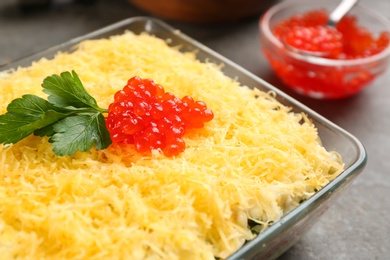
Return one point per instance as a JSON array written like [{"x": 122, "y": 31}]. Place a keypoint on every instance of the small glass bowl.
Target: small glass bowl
[{"x": 320, "y": 77}]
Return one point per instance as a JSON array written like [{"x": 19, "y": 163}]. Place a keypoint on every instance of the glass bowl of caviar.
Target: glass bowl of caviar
[{"x": 349, "y": 62}]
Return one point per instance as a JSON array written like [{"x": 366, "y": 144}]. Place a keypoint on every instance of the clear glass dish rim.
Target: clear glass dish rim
[{"x": 335, "y": 185}]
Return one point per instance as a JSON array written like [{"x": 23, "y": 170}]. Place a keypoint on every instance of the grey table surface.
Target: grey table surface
[{"x": 357, "y": 225}]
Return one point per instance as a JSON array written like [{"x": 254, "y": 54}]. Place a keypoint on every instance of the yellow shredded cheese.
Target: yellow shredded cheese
[{"x": 255, "y": 160}]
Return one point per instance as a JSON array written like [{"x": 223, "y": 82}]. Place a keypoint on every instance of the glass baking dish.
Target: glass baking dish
[{"x": 283, "y": 234}]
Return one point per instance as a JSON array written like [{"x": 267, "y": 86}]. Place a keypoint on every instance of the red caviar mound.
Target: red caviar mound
[{"x": 146, "y": 116}]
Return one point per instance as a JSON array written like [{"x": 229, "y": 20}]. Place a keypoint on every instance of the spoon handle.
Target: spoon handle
[{"x": 344, "y": 7}]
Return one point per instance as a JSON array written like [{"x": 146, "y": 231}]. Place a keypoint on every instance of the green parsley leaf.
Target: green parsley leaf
[
  {"x": 66, "y": 90},
  {"x": 71, "y": 117},
  {"x": 80, "y": 133},
  {"x": 31, "y": 105},
  {"x": 45, "y": 131},
  {"x": 25, "y": 115}
]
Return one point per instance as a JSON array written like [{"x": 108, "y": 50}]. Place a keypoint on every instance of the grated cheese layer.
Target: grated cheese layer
[{"x": 255, "y": 160}]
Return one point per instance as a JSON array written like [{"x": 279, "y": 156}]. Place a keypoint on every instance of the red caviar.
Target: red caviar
[
  {"x": 146, "y": 116},
  {"x": 348, "y": 41},
  {"x": 315, "y": 39}
]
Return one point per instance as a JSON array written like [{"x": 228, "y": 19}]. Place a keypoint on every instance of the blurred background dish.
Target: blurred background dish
[{"x": 204, "y": 11}]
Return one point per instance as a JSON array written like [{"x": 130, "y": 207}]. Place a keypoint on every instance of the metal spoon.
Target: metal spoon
[
  {"x": 342, "y": 9},
  {"x": 338, "y": 13}
]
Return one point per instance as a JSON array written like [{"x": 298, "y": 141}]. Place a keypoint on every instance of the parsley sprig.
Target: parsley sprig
[{"x": 70, "y": 117}]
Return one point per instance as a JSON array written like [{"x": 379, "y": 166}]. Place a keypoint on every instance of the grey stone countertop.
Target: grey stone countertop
[{"x": 357, "y": 225}]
